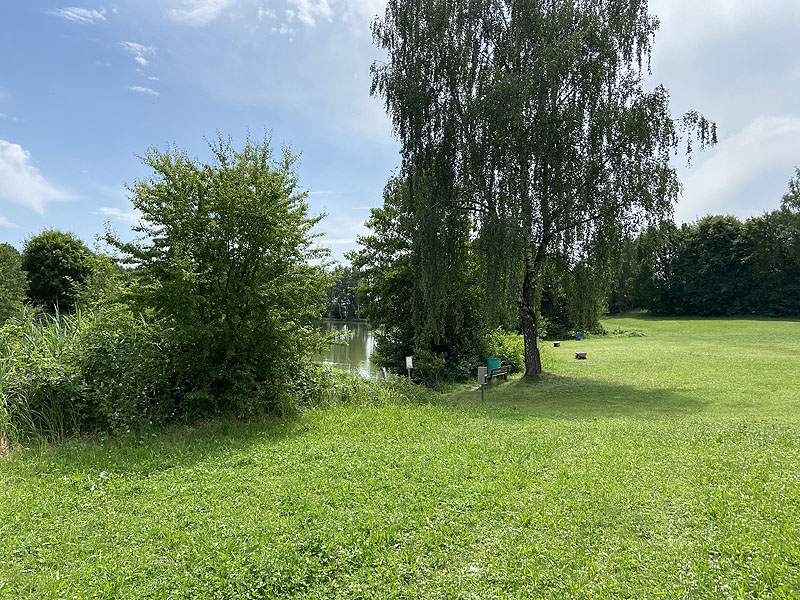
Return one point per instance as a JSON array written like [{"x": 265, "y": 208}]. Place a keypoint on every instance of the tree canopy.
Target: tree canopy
[
  {"x": 527, "y": 131},
  {"x": 56, "y": 263}
]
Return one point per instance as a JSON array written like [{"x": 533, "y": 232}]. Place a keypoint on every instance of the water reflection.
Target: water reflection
[{"x": 354, "y": 353}]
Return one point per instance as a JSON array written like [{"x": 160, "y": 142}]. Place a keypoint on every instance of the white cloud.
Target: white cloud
[
  {"x": 4, "y": 222},
  {"x": 129, "y": 217},
  {"x": 724, "y": 181},
  {"x": 84, "y": 16},
  {"x": 141, "y": 54},
  {"x": 308, "y": 11},
  {"x": 198, "y": 12},
  {"x": 3, "y": 116},
  {"x": 21, "y": 182},
  {"x": 143, "y": 90}
]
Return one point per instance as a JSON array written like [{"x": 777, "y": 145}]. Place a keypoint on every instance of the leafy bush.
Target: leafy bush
[
  {"x": 225, "y": 259},
  {"x": 507, "y": 346}
]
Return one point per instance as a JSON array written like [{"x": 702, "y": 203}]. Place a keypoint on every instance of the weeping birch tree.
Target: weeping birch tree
[{"x": 527, "y": 129}]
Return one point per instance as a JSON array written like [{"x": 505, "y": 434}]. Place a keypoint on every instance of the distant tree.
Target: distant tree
[
  {"x": 13, "y": 283},
  {"x": 226, "y": 259},
  {"x": 791, "y": 199},
  {"x": 55, "y": 262},
  {"x": 343, "y": 300},
  {"x": 528, "y": 126},
  {"x": 709, "y": 268}
]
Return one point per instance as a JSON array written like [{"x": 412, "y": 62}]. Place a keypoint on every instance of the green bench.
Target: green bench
[{"x": 497, "y": 372}]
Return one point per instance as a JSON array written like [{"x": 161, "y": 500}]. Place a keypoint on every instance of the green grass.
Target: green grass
[{"x": 664, "y": 466}]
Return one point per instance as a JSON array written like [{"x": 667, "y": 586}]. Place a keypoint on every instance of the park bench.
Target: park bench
[{"x": 502, "y": 371}]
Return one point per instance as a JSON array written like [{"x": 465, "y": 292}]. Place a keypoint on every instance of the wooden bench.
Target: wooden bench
[{"x": 498, "y": 372}]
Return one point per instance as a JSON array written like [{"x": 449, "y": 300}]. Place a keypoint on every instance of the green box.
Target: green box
[{"x": 492, "y": 363}]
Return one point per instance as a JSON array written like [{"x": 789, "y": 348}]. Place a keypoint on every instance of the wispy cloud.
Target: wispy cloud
[
  {"x": 284, "y": 29},
  {"x": 143, "y": 90},
  {"x": 266, "y": 13},
  {"x": 141, "y": 54},
  {"x": 198, "y": 12},
  {"x": 129, "y": 217},
  {"x": 84, "y": 16},
  {"x": 4, "y": 222},
  {"x": 21, "y": 182}
]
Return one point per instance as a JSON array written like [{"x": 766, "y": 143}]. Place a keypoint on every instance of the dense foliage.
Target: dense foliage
[
  {"x": 529, "y": 137},
  {"x": 13, "y": 283},
  {"x": 55, "y": 262},
  {"x": 224, "y": 260},
  {"x": 65, "y": 374},
  {"x": 446, "y": 342},
  {"x": 716, "y": 266}
]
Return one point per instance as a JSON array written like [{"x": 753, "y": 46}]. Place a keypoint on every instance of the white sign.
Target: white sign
[
  {"x": 481, "y": 375},
  {"x": 409, "y": 362}
]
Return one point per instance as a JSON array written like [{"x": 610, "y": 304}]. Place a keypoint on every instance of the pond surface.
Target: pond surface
[{"x": 355, "y": 351}]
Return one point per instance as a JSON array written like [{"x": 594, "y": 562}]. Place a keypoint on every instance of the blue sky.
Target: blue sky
[{"x": 84, "y": 88}]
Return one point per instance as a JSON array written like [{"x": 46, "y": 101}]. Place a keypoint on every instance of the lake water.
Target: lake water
[{"x": 354, "y": 353}]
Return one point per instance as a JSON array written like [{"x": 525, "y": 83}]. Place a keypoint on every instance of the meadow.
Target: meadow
[{"x": 667, "y": 465}]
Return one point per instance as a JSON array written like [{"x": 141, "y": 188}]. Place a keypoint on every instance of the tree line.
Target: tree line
[{"x": 716, "y": 266}]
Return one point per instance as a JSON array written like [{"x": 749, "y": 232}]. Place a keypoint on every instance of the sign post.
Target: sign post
[{"x": 409, "y": 366}]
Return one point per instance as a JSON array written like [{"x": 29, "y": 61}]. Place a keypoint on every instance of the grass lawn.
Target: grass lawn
[{"x": 664, "y": 466}]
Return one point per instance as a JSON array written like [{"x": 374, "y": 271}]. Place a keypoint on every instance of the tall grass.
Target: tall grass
[{"x": 38, "y": 370}]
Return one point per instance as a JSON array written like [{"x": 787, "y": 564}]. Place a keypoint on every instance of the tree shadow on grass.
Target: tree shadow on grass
[{"x": 571, "y": 398}]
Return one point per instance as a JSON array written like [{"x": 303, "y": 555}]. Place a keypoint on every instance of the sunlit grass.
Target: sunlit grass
[{"x": 666, "y": 465}]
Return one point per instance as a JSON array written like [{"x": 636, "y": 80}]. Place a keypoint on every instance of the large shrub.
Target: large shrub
[{"x": 225, "y": 259}]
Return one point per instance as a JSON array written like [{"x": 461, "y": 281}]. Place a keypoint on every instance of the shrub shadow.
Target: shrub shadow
[{"x": 148, "y": 454}]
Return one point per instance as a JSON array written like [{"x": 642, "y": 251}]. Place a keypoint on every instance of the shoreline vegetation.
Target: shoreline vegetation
[{"x": 664, "y": 464}]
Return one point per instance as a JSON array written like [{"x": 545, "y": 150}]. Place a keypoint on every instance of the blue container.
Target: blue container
[
  {"x": 578, "y": 336},
  {"x": 492, "y": 363}
]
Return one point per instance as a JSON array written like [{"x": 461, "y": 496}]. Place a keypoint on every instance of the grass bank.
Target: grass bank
[{"x": 663, "y": 466}]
